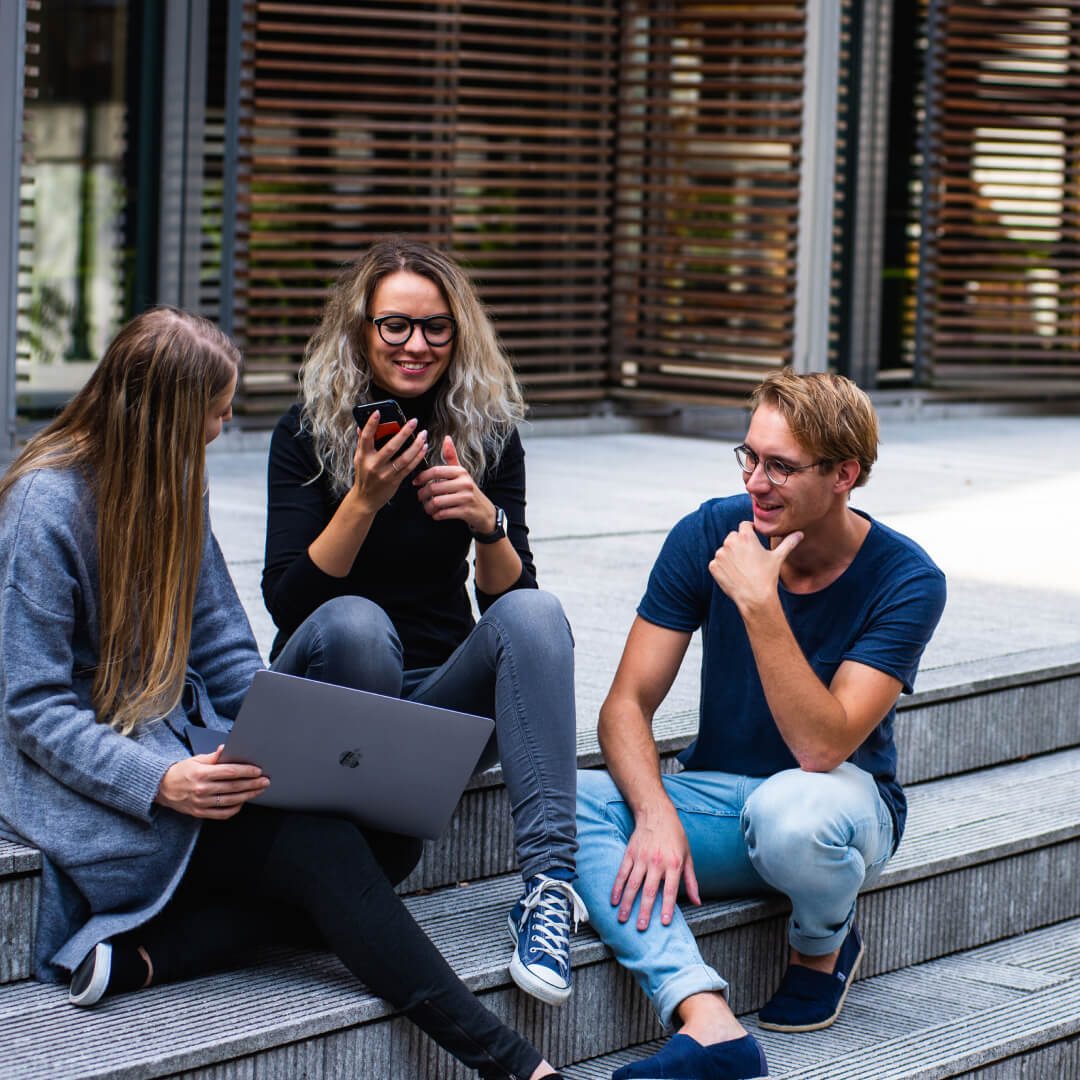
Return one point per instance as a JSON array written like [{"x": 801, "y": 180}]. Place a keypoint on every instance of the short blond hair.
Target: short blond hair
[{"x": 828, "y": 414}]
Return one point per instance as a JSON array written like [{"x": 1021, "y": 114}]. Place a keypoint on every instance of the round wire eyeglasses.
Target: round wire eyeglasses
[{"x": 776, "y": 470}]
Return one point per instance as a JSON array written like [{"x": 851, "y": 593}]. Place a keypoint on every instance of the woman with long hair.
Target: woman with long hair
[
  {"x": 120, "y": 627},
  {"x": 367, "y": 550}
]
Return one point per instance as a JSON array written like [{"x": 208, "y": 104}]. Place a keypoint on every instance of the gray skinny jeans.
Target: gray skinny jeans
[{"x": 516, "y": 667}]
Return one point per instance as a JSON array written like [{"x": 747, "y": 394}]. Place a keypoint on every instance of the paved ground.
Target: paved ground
[{"x": 994, "y": 500}]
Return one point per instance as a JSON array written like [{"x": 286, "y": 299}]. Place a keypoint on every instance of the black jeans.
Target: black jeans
[{"x": 270, "y": 876}]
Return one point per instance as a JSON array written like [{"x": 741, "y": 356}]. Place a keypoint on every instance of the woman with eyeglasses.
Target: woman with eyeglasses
[
  {"x": 368, "y": 541},
  {"x": 119, "y": 626}
]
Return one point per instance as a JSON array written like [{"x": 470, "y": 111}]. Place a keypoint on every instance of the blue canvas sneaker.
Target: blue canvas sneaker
[
  {"x": 540, "y": 924},
  {"x": 809, "y": 1000}
]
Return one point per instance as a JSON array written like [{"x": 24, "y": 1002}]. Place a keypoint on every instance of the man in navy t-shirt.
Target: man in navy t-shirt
[{"x": 813, "y": 620}]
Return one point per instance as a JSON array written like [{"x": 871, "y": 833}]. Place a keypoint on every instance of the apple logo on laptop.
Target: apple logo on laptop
[{"x": 351, "y": 758}]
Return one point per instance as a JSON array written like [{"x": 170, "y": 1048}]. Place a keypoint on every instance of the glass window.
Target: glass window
[{"x": 81, "y": 187}]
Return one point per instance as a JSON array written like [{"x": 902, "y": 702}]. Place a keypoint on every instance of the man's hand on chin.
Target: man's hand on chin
[{"x": 747, "y": 571}]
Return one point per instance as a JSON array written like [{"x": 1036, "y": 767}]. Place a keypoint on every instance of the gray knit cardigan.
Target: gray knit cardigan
[{"x": 69, "y": 785}]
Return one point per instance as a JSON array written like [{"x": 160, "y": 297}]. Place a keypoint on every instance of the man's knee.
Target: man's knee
[{"x": 787, "y": 815}]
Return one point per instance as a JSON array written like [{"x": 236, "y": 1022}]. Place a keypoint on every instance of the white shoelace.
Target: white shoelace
[{"x": 554, "y": 902}]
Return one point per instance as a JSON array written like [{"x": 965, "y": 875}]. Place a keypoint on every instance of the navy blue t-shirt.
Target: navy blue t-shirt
[{"x": 880, "y": 612}]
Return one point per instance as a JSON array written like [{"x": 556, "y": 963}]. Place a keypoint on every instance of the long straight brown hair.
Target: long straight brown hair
[{"x": 137, "y": 429}]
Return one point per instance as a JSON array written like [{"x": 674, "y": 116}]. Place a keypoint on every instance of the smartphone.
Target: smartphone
[{"x": 391, "y": 419}]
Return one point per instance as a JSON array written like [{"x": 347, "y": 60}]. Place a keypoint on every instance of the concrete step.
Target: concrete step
[
  {"x": 20, "y": 879},
  {"x": 978, "y": 864},
  {"x": 968, "y": 716},
  {"x": 963, "y": 717},
  {"x": 1006, "y": 1010}
]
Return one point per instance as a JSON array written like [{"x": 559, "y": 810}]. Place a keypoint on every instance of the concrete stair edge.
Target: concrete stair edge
[
  {"x": 959, "y": 725},
  {"x": 735, "y": 936},
  {"x": 953, "y": 822},
  {"x": 1003, "y": 1018}
]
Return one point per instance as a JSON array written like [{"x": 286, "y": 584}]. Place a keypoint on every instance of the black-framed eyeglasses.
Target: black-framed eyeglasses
[
  {"x": 397, "y": 329},
  {"x": 776, "y": 470}
]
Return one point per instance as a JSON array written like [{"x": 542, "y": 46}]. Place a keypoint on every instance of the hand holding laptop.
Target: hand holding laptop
[
  {"x": 385, "y": 762},
  {"x": 205, "y": 787}
]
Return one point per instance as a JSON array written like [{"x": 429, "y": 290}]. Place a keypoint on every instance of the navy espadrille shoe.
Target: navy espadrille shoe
[
  {"x": 684, "y": 1058},
  {"x": 809, "y": 1000}
]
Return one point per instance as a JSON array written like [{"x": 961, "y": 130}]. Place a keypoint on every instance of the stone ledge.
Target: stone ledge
[
  {"x": 952, "y": 681},
  {"x": 937, "y": 736},
  {"x": 930, "y": 902},
  {"x": 17, "y": 859},
  {"x": 947, "y": 1017}
]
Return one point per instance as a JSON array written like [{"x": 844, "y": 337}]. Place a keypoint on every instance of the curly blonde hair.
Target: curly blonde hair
[{"x": 478, "y": 402}]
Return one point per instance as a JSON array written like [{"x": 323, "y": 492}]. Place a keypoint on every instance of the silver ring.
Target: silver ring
[
  {"x": 217, "y": 801},
  {"x": 396, "y": 467}
]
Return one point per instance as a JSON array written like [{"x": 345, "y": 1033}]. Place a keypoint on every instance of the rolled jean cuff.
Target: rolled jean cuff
[
  {"x": 697, "y": 979},
  {"x": 819, "y": 946}
]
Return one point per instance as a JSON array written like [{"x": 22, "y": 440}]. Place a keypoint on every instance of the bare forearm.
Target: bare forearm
[
  {"x": 810, "y": 719},
  {"x": 498, "y": 566},
  {"x": 631, "y": 757},
  {"x": 335, "y": 549}
]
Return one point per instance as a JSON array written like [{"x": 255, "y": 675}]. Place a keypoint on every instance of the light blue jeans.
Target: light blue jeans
[
  {"x": 516, "y": 666},
  {"x": 815, "y": 837}
]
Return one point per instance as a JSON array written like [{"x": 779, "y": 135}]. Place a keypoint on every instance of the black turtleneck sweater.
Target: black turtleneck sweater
[{"x": 414, "y": 568}]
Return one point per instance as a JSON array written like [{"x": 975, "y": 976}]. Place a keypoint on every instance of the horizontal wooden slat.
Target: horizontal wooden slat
[
  {"x": 1005, "y": 211},
  {"x": 558, "y": 17},
  {"x": 634, "y": 168},
  {"x": 585, "y": 61},
  {"x": 686, "y": 314}
]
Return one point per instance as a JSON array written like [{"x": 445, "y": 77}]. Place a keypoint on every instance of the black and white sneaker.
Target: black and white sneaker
[{"x": 91, "y": 978}]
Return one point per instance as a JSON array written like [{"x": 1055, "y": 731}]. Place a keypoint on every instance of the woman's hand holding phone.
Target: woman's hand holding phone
[{"x": 379, "y": 471}]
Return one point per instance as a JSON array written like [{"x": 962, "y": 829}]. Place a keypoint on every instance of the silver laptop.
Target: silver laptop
[{"x": 382, "y": 761}]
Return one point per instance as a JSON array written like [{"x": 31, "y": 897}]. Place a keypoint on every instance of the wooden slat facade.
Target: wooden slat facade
[
  {"x": 25, "y": 335},
  {"x": 1000, "y": 253},
  {"x": 707, "y": 188},
  {"x": 620, "y": 178},
  {"x": 486, "y": 127}
]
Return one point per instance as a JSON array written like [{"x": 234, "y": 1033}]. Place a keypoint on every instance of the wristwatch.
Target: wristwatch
[{"x": 497, "y": 533}]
